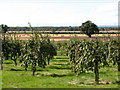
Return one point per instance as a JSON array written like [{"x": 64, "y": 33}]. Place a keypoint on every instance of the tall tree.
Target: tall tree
[{"x": 89, "y": 28}]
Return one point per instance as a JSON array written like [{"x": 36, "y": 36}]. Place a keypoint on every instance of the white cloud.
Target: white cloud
[
  {"x": 59, "y": 14},
  {"x": 106, "y": 14}
]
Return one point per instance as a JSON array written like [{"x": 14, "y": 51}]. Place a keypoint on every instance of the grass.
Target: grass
[
  {"x": 55, "y": 75},
  {"x": 0, "y": 79}
]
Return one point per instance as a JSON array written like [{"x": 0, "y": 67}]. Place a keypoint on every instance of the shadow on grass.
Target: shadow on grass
[
  {"x": 53, "y": 75},
  {"x": 12, "y": 69},
  {"x": 41, "y": 70},
  {"x": 117, "y": 82},
  {"x": 7, "y": 62},
  {"x": 56, "y": 67},
  {"x": 59, "y": 57},
  {"x": 56, "y": 75},
  {"x": 61, "y": 64},
  {"x": 59, "y": 60},
  {"x": 64, "y": 75}
]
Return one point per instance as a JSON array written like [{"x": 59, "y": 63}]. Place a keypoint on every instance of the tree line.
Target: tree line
[{"x": 69, "y": 28}]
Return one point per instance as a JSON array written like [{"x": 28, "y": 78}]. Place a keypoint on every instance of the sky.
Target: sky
[{"x": 58, "y": 12}]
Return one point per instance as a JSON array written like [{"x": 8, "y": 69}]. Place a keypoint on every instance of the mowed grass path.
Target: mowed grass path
[{"x": 55, "y": 75}]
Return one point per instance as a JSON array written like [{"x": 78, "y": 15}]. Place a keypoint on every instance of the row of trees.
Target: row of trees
[
  {"x": 45, "y": 28},
  {"x": 70, "y": 28},
  {"x": 90, "y": 55},
  {"x": 37, "y": 51}
]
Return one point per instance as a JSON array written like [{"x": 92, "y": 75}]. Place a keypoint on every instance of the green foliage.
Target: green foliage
[
  {"x": 6, "y": 48},
  {"x": 11, "y": 48},
  {"x": 62, "y": 48},
  {"x": 89, "y": 28},
  {"x": 90, "y": 55},
  {"x": 38, "y": 50},
  {"x": 4, "y": 28},
  {"x": 114, "y": 52}
]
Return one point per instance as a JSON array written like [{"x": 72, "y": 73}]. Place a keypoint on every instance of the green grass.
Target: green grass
[
  {"x": 55, "y": 75},
  {"x": 0, "y": 79}
]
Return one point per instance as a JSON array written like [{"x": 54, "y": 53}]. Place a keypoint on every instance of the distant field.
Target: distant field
[
  {"x": 62, "y": 37},
  {"x": 56, "y": 31}
]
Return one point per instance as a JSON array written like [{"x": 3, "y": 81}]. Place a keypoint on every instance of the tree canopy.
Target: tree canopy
[
  {"x": 89, "y": 28},
  {"x": 4, "y": 28}
]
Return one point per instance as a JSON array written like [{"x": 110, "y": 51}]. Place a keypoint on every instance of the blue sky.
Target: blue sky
[{"x": 58, "y": 12}]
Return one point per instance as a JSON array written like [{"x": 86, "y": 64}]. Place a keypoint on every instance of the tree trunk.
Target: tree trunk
[
  {"x": 26, "y": 66},
  {"x": 1, "y": 67},
  {"x": 48, "y": 61},
  {"x": 33, "y": 73},
  {"x": 15, "y": 62},
  {"x": 6, "y": 57},
  {"x": 118, "y": 70},
  {"x": 89, "y": 35},
  {"x": 25, "y": 69},
  {"x": 33, "y": 69},
  {"x": 96, "y": 71},
  {"x": 118, "y": 66}
]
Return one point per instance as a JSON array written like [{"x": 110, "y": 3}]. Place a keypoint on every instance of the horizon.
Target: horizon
[{"x": 67, "y": 26}]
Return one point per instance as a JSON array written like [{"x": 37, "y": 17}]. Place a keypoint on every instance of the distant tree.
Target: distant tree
[
  {"x": 89, "y": 28},
  {"x": 53, "y": 30},
  {"x": 4, "y": 28}
]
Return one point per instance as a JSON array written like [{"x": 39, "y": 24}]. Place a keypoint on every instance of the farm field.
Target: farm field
[
  {"x": 41, "y": 63},
  {"x": 56, "y": 75},
  {"x": 57, "y": 31},
  {"x": 60, "y": 44},
  {"x": 62, "y": 37}
]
